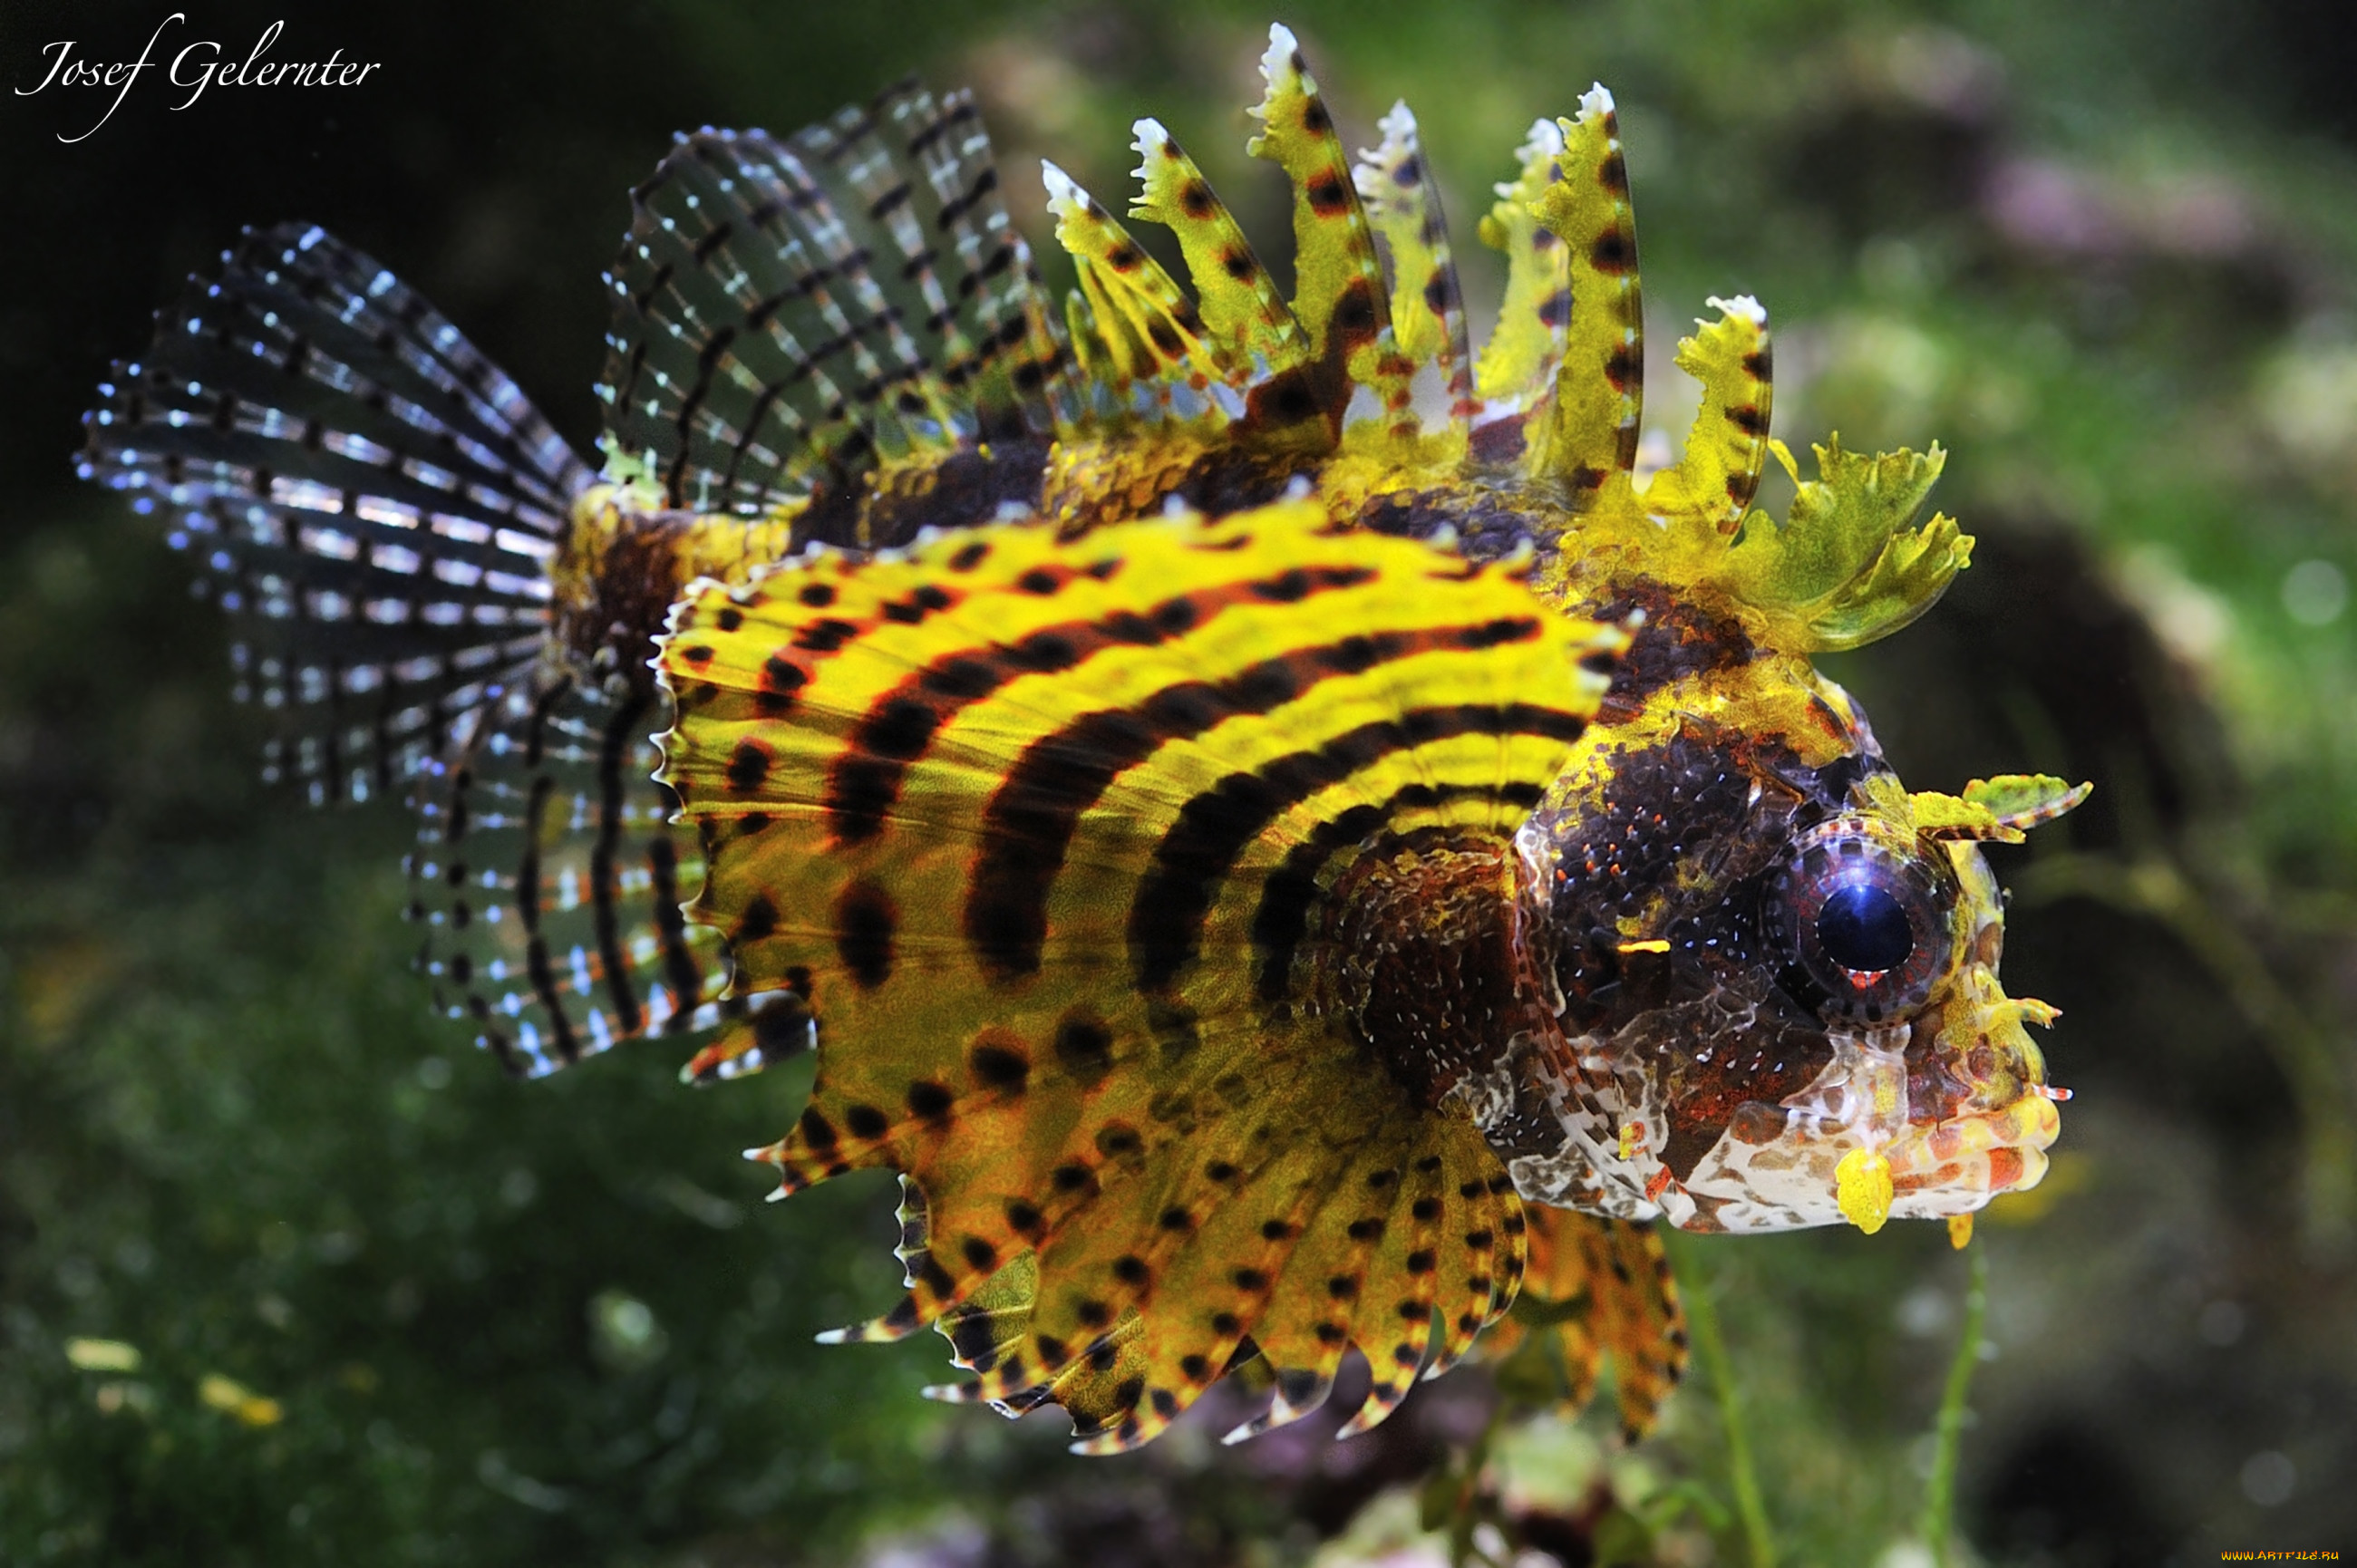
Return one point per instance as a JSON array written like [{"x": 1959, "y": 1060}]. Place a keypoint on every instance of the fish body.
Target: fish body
[{"x": 1281, "y": 836}]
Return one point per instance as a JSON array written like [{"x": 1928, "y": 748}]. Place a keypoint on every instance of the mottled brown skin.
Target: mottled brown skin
[
  {"x": 625, "y": 570},
  {"x": 1428, "y": 974}
]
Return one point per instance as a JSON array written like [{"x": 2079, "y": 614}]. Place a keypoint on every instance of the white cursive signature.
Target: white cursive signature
[{"x": 198, "y": 66}]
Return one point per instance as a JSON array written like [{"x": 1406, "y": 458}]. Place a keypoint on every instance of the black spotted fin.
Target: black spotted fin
[{"x": 1043, "y": 833}]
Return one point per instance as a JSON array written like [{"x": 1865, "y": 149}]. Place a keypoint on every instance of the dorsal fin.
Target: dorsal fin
[
  {"x": 1709, "y": 488},
  {"x": 1515, "y": 378},
  {"x": 789, "y": 316},
  {"x": 1587, "y": 440},
  {"x": 1133, "y": 327},
  {"x": 1338, "y": 298}
]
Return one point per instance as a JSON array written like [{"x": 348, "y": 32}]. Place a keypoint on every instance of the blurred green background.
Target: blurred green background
[{"x": 390, "y": 1308}]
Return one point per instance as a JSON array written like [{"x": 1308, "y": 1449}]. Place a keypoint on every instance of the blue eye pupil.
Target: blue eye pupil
[{"x": 1864, "y": 928}]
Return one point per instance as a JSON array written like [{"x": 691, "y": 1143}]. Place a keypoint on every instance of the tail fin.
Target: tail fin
[{"x": 374, "y": 501}]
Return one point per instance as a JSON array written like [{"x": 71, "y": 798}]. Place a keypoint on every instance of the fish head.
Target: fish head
[{"x": 1764, "y": 971}]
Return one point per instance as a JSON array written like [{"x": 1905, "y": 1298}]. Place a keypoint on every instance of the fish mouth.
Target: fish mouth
[
  {"x": 1982, "y": 1114},
  {"x": 1950, "y": 1109}
]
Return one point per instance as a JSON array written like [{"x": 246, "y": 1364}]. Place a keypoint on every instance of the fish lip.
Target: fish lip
[{"x": 1975, "y": 1129}]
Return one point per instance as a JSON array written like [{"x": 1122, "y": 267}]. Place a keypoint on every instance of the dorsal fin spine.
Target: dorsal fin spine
[
  {"x": 1338, "y": 296},
  {"x": 1427, "y": 307},
  {"x": 1588, "y": 437},
  {"x": 1514, "y": 376},
  {"x": 1238, "y": 301}
]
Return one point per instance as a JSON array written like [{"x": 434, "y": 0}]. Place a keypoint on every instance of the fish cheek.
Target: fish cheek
[
  {"x": 1647, "y": 892},
  {"x": 1736, "y": 1082},
  {"x": 1651, "y": 933}
]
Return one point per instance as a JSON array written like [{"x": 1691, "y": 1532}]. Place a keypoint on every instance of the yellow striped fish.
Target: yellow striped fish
[{"x": 1285, "y": 841}]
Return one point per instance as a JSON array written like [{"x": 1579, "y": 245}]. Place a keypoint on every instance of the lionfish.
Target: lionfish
[{"x": 1277, "y": 831}]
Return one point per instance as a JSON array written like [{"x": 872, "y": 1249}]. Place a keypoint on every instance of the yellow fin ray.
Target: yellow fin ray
[
  {"x": 1238, "y": 299},
  {"x": 1514, "y": 376},
  {"x": 1706, "y": 493},
  {"x": 1428, "y": 305},
  {"x": 1338, "y": 298},
  {"x": 1139, "y": 326},
  {"x": 1588, "y": 438}
]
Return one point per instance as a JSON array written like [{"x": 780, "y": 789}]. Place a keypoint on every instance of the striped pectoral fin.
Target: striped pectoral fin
[
  {"x": 1710, "y": 486},
  {"x": 370, "y": 499},
  {"x": 1604, "y": 1290},
  {"x": 1387, "y": 1268},
  {"x": 1428, "y": 305},
  {"x": 1338, "y": 296},
  {"x": 1590, "y": 432},
  {"x": 1034, "y": 825},
  {"x": 549, "y": 881}
]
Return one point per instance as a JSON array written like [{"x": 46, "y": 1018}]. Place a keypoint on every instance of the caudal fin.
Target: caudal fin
[{"x": 373, "y": 502}]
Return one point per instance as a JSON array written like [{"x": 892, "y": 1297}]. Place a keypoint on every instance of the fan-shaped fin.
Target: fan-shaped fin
[
  {"x": 1515, "y": 376},
  {"x": 752, "y": 352},
  {"x": 1042, "y": 830},
  {"x": 789, "y": 316},
  {"x": 373, "y": 501},
  {"x": 1338, "y": 297},
  {"x": 1600, "y": 1287},
  {"x": 925, "y": 172},
  {"x": 549, "y": 881},
  {"x": 1588, "y": 438},
  {"x": 1428, "y": 305}
]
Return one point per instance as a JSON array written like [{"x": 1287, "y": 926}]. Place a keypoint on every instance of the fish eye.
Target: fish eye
[{"x": 1864, "y": 916}]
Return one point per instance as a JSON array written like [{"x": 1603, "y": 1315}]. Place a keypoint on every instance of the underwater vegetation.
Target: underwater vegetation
[{"x": 655, "y": 1399}]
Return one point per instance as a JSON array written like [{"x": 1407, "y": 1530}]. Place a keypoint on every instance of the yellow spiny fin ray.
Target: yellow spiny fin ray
[
  {"x": 1706, "y": 493},
  {"x": 1515, "y": 375},
  {"x": 1427, "y": 305},
  {"x": 1587, "y": 439},
  {"x": 1338, "y": 298},
  {"x": 1140, "y": 327},
  {"x": 1042, "y": 831},
  {"x": 1602, "y": 1287},
  {"x": 1239, "y": 303}
]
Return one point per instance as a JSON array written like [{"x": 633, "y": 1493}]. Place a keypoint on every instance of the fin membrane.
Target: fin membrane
[
  {"x": 1600, "y": 1288},
  {"x": 791, "y": 315},
  {"x": 1041, "y": 831},
  {"x": 549, "y": 881}
]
